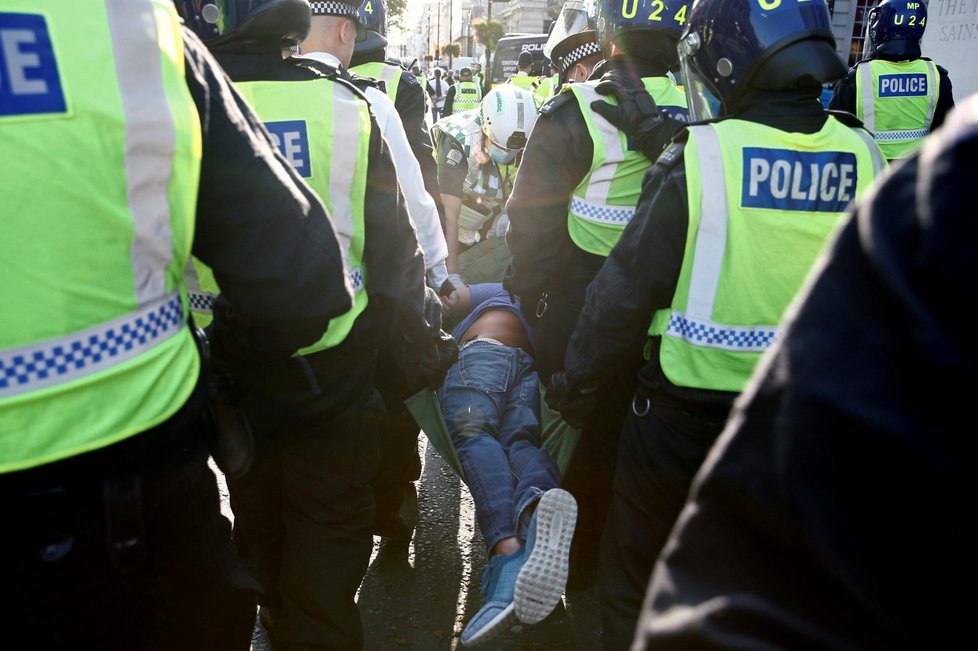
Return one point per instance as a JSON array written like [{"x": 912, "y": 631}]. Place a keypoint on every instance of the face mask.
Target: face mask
[{"x": 502, "y": 156}]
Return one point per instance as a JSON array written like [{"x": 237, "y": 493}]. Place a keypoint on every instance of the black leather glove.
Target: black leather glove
[
  {"x": 636, "y": 114},
  {"x": 572, "y": 404}
]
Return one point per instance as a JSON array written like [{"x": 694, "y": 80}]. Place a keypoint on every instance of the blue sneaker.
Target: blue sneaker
[
  {"x": 496, "y": 613},
  {"x": 546, "y": 555}
]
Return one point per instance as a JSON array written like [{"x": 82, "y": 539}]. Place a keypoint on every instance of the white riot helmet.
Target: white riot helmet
[{"x": 508, "y": 113}]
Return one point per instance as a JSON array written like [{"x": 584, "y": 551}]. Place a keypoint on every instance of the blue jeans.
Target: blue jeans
[{"x": 491, "y": 403}]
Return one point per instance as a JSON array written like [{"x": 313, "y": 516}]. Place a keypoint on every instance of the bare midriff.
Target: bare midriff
[{"x": 501, "y": 325}]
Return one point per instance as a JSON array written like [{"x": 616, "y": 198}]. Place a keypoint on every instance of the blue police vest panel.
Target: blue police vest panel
[
  {"x": 905, "y": 85},
  {"x": 680, "y": 113},
  {"x": 29, "y": 79},
  {"x": 290, "y": 136},
  {"x": 783, "y": 179}
]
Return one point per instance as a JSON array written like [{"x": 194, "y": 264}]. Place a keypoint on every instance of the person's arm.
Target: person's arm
[
  {"x": 556, "y": 159},
  {"x": 413, "y": 108},
  {"x": 452, "y": 170},
  {"x": 392, "y": 257},
  {"x": 261, "y": 229},
  {"x": 638, "y": 278},
  {"x": 945, "y": 99},
  {"x": 420, "y": 206},
  {"x": 446, "y": 110},
  {"x": 844, "y": 95}
]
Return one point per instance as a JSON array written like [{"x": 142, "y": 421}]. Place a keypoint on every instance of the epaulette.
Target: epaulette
[
  {"x": 336, "y": 74},
  {"x": 555, "y": 103},
  {"x": 672, "y": 154},
  {"x": 846, "y": 118}
]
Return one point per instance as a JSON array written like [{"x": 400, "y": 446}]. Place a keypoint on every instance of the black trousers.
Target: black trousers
[
  {"x": 400, "y": 463},
  {"x": 123, "y": 548},
  {"x": 304, "y": 510},
  {"x": 658, "y": 456}
]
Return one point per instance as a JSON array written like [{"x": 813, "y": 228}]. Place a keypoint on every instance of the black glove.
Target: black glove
[
  {"x": 572, "y": 404},
  {"x": 636, "y": 114}
]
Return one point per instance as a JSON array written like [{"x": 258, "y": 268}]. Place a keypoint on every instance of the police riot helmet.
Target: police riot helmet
[
  {"x": 634, "y": 23},
  {"x": 218, "y": 21},
  {"x": 896, "y": 27},
  {"x": 507, "y": 113},
  {"x": 373, "y": 16},
  {"x": 732, "y": 45}
]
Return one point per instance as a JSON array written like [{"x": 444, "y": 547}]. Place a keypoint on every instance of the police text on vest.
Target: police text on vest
[
  {"x": 291, "y": 139},
  {"x": 784, "y": 179},
  {"x": 906, "y": 85},
  {"x": 29, "y": 80}
]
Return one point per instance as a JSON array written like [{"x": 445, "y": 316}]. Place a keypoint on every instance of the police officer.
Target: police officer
[
  {"x": 463, "y": 96},
  {"x": 406, "y": 90},
  {"x": 477, "y": 153},
  {"x": 399, "y": 463},
  {"x": 580, "y": 182},
  {"x": 572, "y": 49},
  {"x": 113, "y": 537},
  {"x": 523, "y": 78},
  {"x": 303, "y": 513},
  {"x": 899, "y": 95},
  {"x": 731, "y": 218},
  {"x": 478, "y": 77},
  {"x": 808, "y": 486}
]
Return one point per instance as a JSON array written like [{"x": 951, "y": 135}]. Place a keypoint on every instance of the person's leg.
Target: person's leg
[
  {"x": 472, "y": 398},
  {"x": 657, "y": 458},
  {"x": 327, "y": 511}
]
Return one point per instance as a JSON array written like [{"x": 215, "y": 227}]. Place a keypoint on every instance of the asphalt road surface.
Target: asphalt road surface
[{"x": 418, "y": 596}]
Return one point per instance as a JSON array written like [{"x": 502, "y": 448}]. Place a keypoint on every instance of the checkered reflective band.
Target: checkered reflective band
[
  {"x": 601, "y": 214},
  {"x": 333, "y": 9},
  {"x": 893, "y": 136},
  {"x": 726, "y": 337},
  {"x": 579, "y": 53},
  {"x": 201, "y": 301},
  {"x": 356, "y": 279},
  {"x": 77, "y": 355}
]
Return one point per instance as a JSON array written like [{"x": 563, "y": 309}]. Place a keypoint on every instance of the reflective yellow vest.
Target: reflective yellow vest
[
  {"x": 523, "y": 81},
  {"x": 385, "y": 72},
  {"x": 752, "y": 239},
  {"x": 604, "y": 202},
  {"x": 546, "y": 89},
  {"x": 323, "y": 130},
  {"x": 896, "y": 102},
  {"x": 100, "y": 150},
  {"x": 467, "y": 96}
]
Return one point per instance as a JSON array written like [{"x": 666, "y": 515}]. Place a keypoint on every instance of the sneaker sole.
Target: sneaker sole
[
  {"x": 542, "y": 579},
  {"x": 495, "y": 625}
]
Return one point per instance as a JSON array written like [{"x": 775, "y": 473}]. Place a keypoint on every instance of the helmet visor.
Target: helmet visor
[
  {"x": 703, "y": 102},
  {"x": 573, "y": 19}
]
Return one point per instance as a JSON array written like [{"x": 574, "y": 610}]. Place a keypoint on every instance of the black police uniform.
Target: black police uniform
[
  {"x": 315, "y": 416},
  {"x": 844, "y": 95},
  {"x": 73, "y": 576},
  {"x": 660, "y": 452},
  {"x": 831, "y": 514},
  {"x": 547, "y": 262}
]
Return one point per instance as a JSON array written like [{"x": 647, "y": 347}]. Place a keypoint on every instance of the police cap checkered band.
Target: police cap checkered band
[
  {"x": 333, "y": 8},
  {"x": 578, "y": 54}
]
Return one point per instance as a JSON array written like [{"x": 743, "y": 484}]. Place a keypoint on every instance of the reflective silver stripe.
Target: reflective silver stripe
[
  {"x": 150, "y": 140},
  {"x": 878, "y": 163},
  {"x": 935, "y": 88},
  {"x": 64, "y": 359},
  {"x": 201, "y": 301},
  {"x": 343, "y": 161},
  {"x": 601, "y": 214},
  {"x": 387, "y": 73},
  {"x": 706, "y": 334},
  {"x": 600, "y": 182},
  {"x": 868, "y": 92},
  {"x": 711, "y": 234}
]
